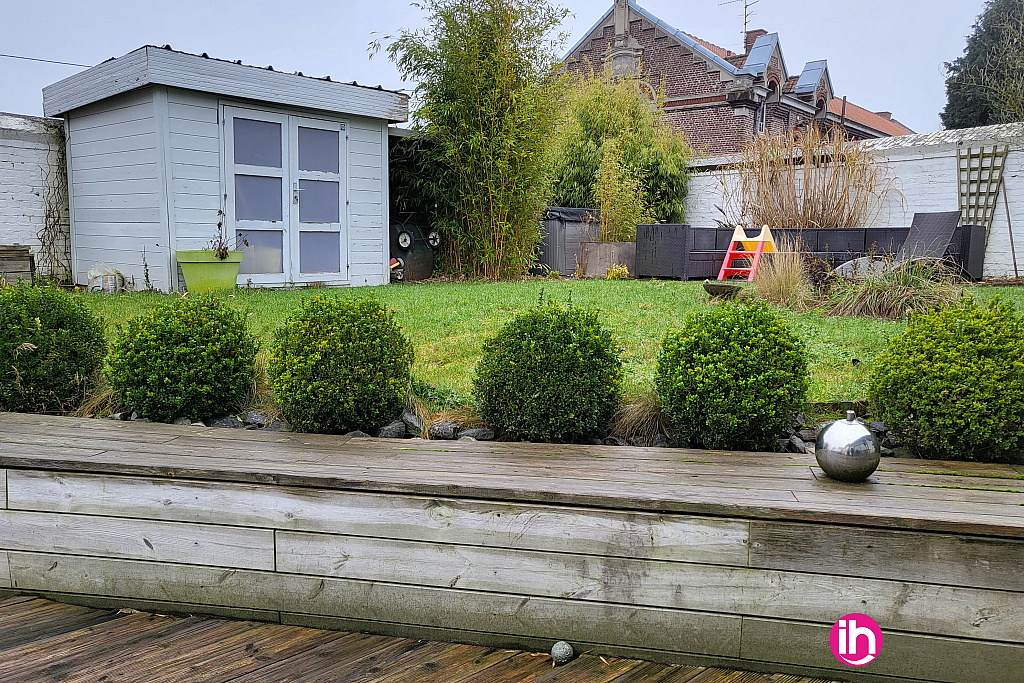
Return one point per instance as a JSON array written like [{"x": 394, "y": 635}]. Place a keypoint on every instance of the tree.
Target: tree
[
  {"x": 606, "y": 110},
  {"x": 489, "y": 86},
  {"x": 986, "y": 85}
]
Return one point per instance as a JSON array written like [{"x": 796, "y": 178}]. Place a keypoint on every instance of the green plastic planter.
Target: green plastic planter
[{"x": 204, "y": 272}]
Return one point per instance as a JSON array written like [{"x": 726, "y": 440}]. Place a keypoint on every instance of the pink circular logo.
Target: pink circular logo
[{"x": 855, "y": 639}]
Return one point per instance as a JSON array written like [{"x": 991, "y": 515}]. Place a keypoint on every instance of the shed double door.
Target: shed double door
[{"x": 286, "y": 196}]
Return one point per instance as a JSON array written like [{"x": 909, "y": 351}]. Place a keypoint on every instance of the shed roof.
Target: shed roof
[{"x": 151, "y": 65}]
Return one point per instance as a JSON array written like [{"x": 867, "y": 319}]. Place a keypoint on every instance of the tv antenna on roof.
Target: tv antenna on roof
[{"x": 748, "y": 12}]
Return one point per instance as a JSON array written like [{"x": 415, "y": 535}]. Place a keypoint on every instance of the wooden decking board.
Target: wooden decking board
[
  {"x": 13, "y": 635},
  {"x": 659, "y": 673},
  {"x": 720, "y": 484},
  {"x": 118, "y": 659},
  {"x": 225, "y": 660},
  {"x": 455, "y": 663},
  {"x": 617, "y": 469},
  {"x": 346, "y": 649},
  {"x": 214, "y": 650},
  {"x": 589, "y": 668},
  {"x": 398, "y": 655},
  {"x": 128, "y": 630}
]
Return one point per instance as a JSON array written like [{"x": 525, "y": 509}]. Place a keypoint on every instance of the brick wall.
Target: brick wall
[
  {"x": 27, "y": 155},
  {"x": 709, "y": 123},
  {"x": 712, "y": 130},
  {"x": 924, "y": 170}
]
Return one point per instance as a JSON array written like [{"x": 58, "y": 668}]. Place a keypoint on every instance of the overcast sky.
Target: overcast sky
[{"x": 883, "y": 54}]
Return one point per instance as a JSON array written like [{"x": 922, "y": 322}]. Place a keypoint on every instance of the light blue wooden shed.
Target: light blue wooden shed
[{"x": 164, "y": 145}]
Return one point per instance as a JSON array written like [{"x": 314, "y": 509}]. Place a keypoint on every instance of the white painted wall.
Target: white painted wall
[
  {"x": 26, "y": 153},
  {"x": 117, "y": 189},
  {"x": 368, "y": 208},
  {"x": 924, "y": 170}
]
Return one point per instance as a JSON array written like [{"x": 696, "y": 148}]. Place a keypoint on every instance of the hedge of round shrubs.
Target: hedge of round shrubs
[
  {"x": 732, "y": 378},
  {"x": 193, "y": 358},
  {"x": 51, "y": 346},
  {"x": 340, "y": 365},
  {"x": 552, "y": 374},
  {"x": 952, "y": 386}
]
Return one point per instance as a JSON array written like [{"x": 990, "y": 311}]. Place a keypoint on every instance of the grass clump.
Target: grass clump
[
  {"x": 552, "y": 374},
  {"x": 782, "y": 278},
  {"x": 732, "y": 377},
  {"x": 952, "y": 386},
  {"x": 339, "y": 365},
  {"x": 893, "y": 291},
  {"x": 51, "y": 347},
  {"x": 192, "y": 358},
  {"x": 640, "y": 417}
]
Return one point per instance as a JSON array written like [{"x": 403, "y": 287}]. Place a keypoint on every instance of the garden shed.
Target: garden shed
[{"x": 163, "y": 146}]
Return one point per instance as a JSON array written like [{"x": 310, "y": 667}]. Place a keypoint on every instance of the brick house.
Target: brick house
[{"x": 721, "y": 99}]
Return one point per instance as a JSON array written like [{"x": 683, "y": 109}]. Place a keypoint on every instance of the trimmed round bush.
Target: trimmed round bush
[
  {"x": 194, "y": 358},
  {"x": 551, "y": 375},
  {"x": 339, "y": 365},
  {"x": 732, "y": 377},
  {"x": 952, "y": 385},
  {"x": 51, "y": 347}
]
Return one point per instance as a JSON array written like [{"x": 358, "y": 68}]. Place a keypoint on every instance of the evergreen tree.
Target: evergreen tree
[{"x": 986, "y": 85}]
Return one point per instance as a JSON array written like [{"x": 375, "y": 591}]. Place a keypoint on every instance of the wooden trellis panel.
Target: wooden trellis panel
[{"x": 980, "y": 175}]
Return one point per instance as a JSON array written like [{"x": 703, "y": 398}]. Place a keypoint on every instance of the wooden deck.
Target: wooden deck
[
  {"x": 47, "y": 641},
  {"x": 734, "y": 560}
]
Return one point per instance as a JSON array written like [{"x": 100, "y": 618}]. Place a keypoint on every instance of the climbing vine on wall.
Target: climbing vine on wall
[{"x": 55, "y": 233}]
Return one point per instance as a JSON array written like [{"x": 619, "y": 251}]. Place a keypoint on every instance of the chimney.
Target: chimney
[
  {"x": 621, "y": 18},
  {"x": 887, "y": 115},
  {"x": 752, "y": 37}
]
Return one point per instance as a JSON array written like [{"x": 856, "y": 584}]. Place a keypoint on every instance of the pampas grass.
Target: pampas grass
[{"x": 805, "y": 179}]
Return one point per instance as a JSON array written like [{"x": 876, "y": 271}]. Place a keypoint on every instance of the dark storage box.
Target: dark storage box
[{"x": 564, "y": 230}]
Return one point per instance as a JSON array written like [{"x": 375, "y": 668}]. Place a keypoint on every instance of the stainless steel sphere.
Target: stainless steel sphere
[
  {"x": 562, "y": 653},
  {"x": 847, "y": 450}
]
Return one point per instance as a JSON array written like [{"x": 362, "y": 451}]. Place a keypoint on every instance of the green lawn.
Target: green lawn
[{"x": 448, "y": 323}]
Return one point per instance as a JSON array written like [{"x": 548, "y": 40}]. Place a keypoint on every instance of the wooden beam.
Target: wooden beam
[
  {"x": 627, "y": 625},
  {"x": 202, "y": 544},
  {"x": 468, "y": 522},
  {"x": 899, "y": 555},
  {"x": 895, "y": 605}
]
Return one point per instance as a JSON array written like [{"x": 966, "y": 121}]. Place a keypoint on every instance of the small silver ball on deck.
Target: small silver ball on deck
[
  {"x": 561, "y": 653},
  {"x": 847, "y": 450}
]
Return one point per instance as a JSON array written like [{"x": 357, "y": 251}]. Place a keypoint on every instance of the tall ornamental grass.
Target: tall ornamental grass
[{"x": 805, "y": 179}]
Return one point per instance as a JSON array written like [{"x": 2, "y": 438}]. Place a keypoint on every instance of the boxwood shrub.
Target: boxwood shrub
[
  {"x": 952, "y": 386},
  {"x": 552, "y": 374},
  {"x": 51, "y": 347},
  {"x": 193, "y": 358},
  {"x": 340, "y": 364},
  {"x": 732, "y": 377}
]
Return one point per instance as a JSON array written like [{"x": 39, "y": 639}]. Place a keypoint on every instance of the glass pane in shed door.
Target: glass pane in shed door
[
  {"x": 260, "y": 191},
  {"x": 320, "y": 190}
]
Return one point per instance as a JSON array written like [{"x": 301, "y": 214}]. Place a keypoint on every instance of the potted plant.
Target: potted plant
[
  {"x": 216, "y": 265},
  {"x": 624, "y": 204}
]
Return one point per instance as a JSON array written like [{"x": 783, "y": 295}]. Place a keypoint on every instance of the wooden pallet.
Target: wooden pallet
[{"x": 17, "y": 262}]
